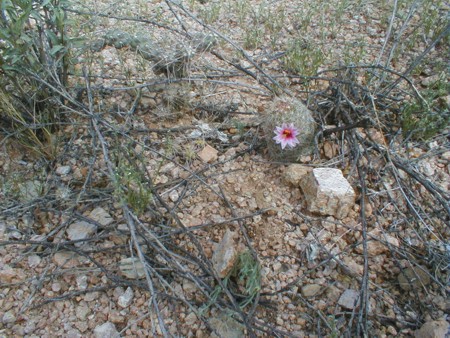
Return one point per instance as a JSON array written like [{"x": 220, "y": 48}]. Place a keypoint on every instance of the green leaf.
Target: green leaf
[{"x": 56, "y": 49}]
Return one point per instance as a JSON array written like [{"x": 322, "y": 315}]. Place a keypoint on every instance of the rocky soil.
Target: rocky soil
[{"x": 167, "y": 213}]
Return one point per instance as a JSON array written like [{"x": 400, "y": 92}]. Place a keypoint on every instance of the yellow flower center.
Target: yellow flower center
[{"x": 287, "y": 133}]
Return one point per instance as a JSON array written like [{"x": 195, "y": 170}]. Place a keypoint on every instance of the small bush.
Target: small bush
[
  {"x": 33, "y": 68},
  {"x": 423, "y": 119}
]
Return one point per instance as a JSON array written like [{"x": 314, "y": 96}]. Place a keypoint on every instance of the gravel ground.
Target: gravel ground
[{"x": 70, "y": 265}]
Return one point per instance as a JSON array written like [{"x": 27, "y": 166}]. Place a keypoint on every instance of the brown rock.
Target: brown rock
[
  {"x": 413, "y": 278},
  {"x": 311, "y": 290},
  {"x": 82, "y": 326},
  {"x": 353, "y": 266},
  {"x": 375, "y": 244},
  {"x": 8, "y": 274},
  {"x": 67, "y": 259},
  {"x": 294, "y": 173},
  {"x": 225, "y": 254},
  {"x": 190, "y": 319},
  {"x": 116, "y": 318},
  {"x": 433, "y": 329},
  {"x": 333, "y": 293},
  {"x": 208, "y": 154}
]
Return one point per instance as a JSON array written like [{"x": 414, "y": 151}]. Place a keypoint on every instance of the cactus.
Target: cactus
[{"x": 286, "y": 110}]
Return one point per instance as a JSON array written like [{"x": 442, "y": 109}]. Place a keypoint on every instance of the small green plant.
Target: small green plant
[
  {"x": 253, "y": 38},
  {"x": 131, "y": 184},
  {"x": 423, "y": 119},
  {"x": 333, "y": 326},
  {"x": 242, "y": 9},
  {"x": 244, "y": 280},
  {"x": 240, "y": 126},
  {"x": 190, "y": 153},
  {"x": 247, "y": 274},
  {"x": 303, "y": 58},
  {"x": 171, "y": 148},
  {"x": 132, "y": 188},
  {"x": 210, "y": 14}
]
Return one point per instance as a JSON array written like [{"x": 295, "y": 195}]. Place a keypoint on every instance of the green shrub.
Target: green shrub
[
  {"x": 423, "y": 119},
  {"x": 33, "y": 68}
]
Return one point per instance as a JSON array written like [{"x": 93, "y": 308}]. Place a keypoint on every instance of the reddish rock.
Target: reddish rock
[{"x": 208, "y": 154}]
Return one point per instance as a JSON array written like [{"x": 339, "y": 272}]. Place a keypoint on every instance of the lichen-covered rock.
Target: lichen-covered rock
[
  {"x": 289, "y": 110},
  {"x": 327, "y": 192},
  {"x": 413, "y": 278},
  {"x": 226, "y": 327},
  {"x": 225, "y": 255}
]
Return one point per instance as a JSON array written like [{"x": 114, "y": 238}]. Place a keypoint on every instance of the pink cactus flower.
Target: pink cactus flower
[{"x": 286, "y": 135}]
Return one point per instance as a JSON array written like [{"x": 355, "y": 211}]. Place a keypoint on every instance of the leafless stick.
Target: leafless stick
[
  {"x": 127, "y": 213},
  {"x": 388, "y": 32}
]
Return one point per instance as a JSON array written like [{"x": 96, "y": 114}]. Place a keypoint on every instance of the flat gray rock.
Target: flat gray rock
[
  {"x": 63, "y": 170},
  {"x": 132, "y": 268},
  {"x": 106, "y": 330},
  {"x": 328, "y": 193},
  {"x": 349, "y": 299},
  {"x": 126, "y": 298},
  {"x": 101, "y": 216},
  {"x": 80, "y": 230},
  {"x": 66, "y": 259}
]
